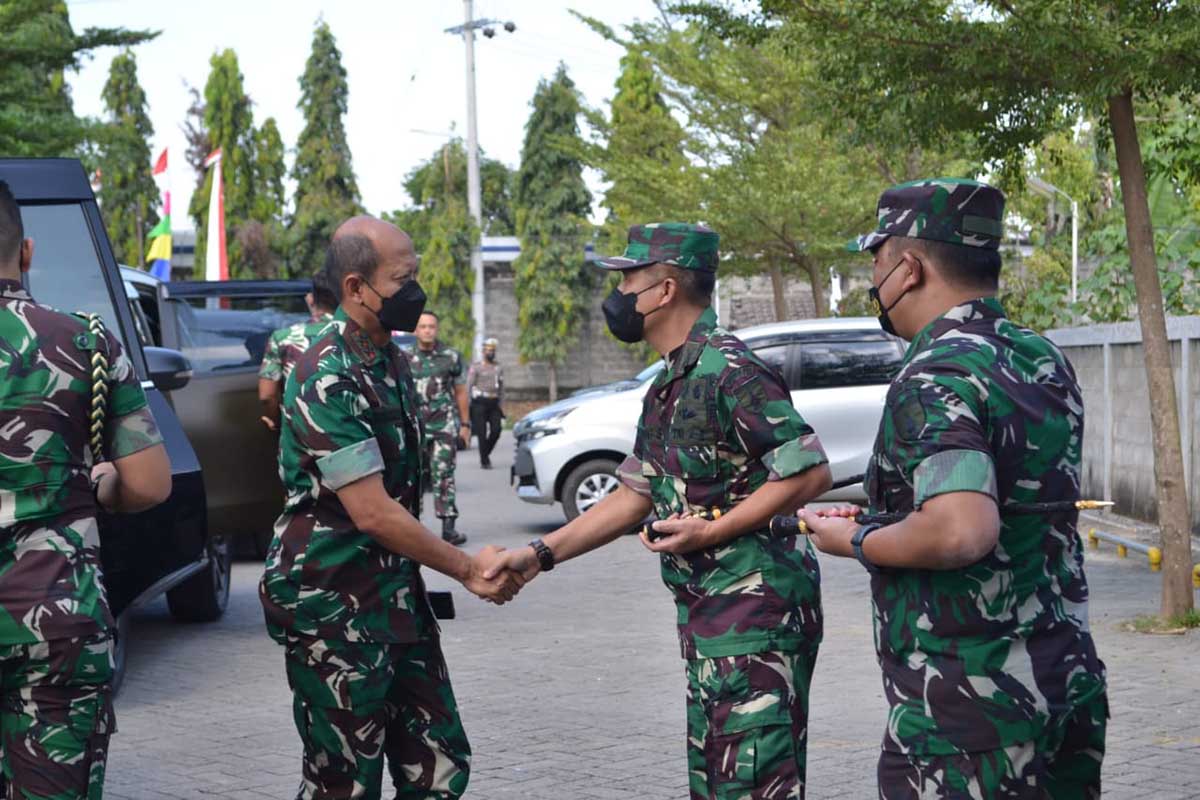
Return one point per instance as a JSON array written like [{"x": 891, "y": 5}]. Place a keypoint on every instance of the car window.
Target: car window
[
  {"x": 779, "y": 356},
  {"x": 223, "y": 334},
  {"x": 66, "y": 273},
  {"x": 826, "y": 365}
]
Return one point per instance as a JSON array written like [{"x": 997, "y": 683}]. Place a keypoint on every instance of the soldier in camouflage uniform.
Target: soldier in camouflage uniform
[
  {"x": 442, "y": 392},
  {"x": 286, "y": 345},
  {"x": 342, "y": 591},
  {"x": 56, "y": 630},
  {"x": 717, "y": 431},
  {"x": 981, "y": 619}
]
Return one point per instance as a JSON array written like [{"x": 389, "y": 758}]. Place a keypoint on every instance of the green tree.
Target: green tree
[
  {"x": 442, "y": 179},
  {"x": 758, "y": 163},
  {"x": 446, "y": 274},
  {"x": 641, "y": 154},
  {"x": 262, "y": 239},
  {"x": 37, "y": 48},
  {"x": 1011, "y": 72},
  {"x": 553, "y": 283},
  {"x": 228, "y": 124},
  {"x": 326, "y": 191},
  {"x": 128, "y": 195}
]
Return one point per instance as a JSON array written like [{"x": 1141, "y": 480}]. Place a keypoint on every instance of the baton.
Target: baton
[
  {"x": 715, "y": 513},
  {"x": 782, "y": 525}
]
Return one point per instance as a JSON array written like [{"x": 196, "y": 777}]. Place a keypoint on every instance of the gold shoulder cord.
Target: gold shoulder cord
[{"x": 99, "y": 388}]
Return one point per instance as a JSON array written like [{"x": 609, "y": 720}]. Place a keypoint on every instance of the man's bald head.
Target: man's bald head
[{"x": 361, "y": 244}]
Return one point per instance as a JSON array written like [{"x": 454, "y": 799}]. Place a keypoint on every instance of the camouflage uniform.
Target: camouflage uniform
[
  {"x": 716, "y": 425},
  {"x": 56, "y": 627},
  {"x": 286, "y": 345},
  {"x": 994, "y": 685},
  {"x": 362, "y": 649},
  {"x": 437, "y": 372}
]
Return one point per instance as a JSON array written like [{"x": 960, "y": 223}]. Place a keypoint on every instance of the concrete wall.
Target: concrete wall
[{"x": 1118, "y": 451}]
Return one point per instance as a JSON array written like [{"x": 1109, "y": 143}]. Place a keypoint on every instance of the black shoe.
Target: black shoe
[
  {"x": 449, "y": 534},
  {"x": 485, "y": 463}
]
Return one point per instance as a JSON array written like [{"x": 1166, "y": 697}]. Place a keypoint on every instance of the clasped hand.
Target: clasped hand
[
  {"x": 831, "y": 529},
  {"x": 491, "y": 579},
  {"x": 681, "y": 534}
]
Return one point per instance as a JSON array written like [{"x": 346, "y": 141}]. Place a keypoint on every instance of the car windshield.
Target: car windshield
[{"x": 66, "y": 272}]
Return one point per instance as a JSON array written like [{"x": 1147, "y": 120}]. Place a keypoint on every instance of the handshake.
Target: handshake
[{"x": 496, "y": 574}]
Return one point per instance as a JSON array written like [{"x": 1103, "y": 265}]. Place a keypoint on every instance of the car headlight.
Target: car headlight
[{"x": 542, "y": 426}]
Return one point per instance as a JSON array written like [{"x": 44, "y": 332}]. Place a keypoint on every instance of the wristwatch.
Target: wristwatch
[
  {"x": 545, "y": 555},
  {"x": 856, "y": 542}
]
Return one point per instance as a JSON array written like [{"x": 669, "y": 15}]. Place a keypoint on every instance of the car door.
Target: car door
[
  {"x": 223, "y": 329},
  {"x": 74, "y": 270},
  {"x": 839, "y": 385}
]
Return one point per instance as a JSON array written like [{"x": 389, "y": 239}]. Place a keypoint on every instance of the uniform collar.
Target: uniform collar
[
  {"x": 358, "y": 341},
  {"x": 13, "y": 290},
  {"x": 325, "y": 317},
  {"x": 952, "y": 320},
  {"x": 690, "y": 352}
]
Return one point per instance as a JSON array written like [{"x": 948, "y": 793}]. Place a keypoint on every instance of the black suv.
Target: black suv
[{"x": 169, "y": 548}]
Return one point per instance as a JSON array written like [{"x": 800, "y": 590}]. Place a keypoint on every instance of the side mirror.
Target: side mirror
[{"x": 169, "y": 369}]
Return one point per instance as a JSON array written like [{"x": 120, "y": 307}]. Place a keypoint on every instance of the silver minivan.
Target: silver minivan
[{"x": 838, "y": 371}]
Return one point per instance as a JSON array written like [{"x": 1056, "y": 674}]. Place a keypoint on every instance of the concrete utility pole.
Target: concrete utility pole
[{"x": 474, "y": 198}]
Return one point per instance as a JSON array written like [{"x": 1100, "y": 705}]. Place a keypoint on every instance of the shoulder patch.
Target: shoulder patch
[{"x": 909, "y": 418}]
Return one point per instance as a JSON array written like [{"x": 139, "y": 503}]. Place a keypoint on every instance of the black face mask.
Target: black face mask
[
  {"x": 624, "y": 320},
  {"x": 489, "y": 356},
  {"x": 885, "y": 321},
  {"x": 402, "y": 310}
]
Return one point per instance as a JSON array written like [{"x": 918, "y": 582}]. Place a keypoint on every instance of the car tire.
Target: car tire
[
  {"x": 120, "y": 650},
  {"x": 204, "y": 596},
  {"x": 588, "y": 484}
]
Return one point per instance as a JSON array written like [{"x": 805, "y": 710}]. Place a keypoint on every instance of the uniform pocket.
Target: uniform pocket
[
  {"x": 750, "y": 745},
  {"x": 387, "y": 425}
]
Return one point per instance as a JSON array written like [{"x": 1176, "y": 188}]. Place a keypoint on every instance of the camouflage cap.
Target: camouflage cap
[
  {"x": 950, "y": 210},
  {"x": 679, "y": 243}
]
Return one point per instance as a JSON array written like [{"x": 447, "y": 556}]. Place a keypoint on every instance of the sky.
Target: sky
[{"x": 407, "y": 77}]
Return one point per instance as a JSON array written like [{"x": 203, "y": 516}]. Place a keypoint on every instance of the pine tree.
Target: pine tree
[
  {"x": 262, "y": 239},
  {"x": 553, "y": 283},
  {"x": 644, "y": 154},
  {"x": 229, "y": 125},
  {"x": 37, "y": 47},
  {"x": 446, "y": 274},
  {"x": 128, "y": 195},
  {"x": 326, "y": 191}
]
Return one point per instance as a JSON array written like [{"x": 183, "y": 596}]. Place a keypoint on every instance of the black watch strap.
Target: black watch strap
[
  {"x": 545, "y": 555},
  {"x": 856, "y": 542}
]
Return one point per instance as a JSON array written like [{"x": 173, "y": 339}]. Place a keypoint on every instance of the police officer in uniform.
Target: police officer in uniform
[
  {"x": 717, "y": 431},
  {"x": 342, "y": 591},
  {"x": 485, "y": 386},
  {"x": 993, "y": 682},
  {"x": 442, "y": 393},
  {"x": 56, "y": 630}
]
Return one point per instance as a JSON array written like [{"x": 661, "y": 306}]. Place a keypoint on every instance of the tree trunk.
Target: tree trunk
[
  {"x": 1171, "y": 490},
  {"x": 553, "y": 369},
  {"x": 818, "y": 287},
  {"x": 779, "y": 293},
  {"x": 141, "y": 214}
]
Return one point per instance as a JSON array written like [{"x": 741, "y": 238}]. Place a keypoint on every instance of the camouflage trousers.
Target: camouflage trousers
[
  {"x": 441, "y": 455},
  {"x": 1062, "y": 764},
  {"x": 357, "y": 703},
  {"x": 56, "y": 717},
  {"x": 748, "y": 725}
]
